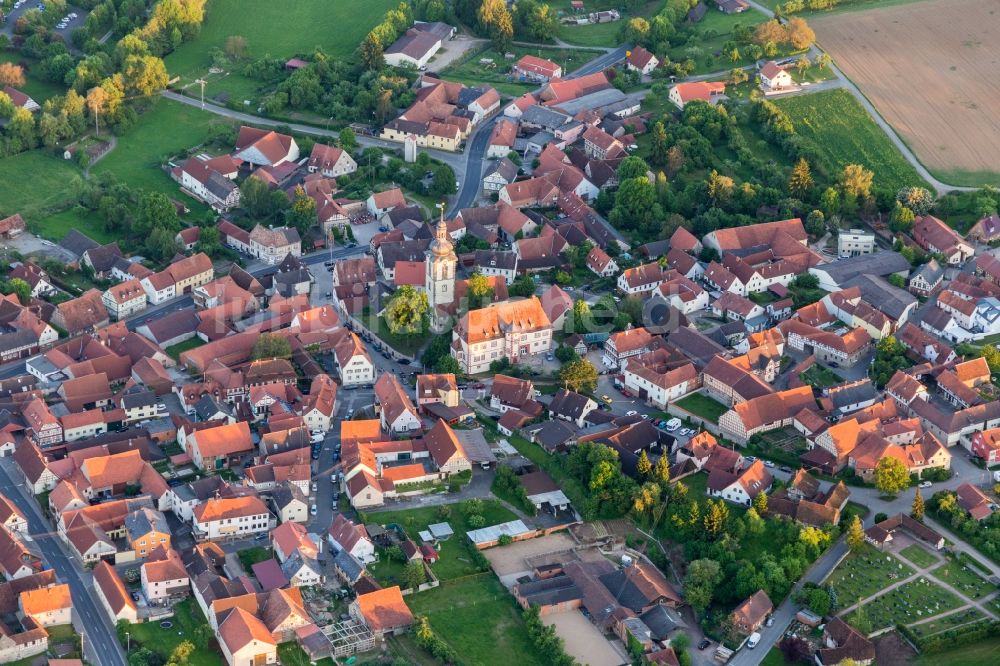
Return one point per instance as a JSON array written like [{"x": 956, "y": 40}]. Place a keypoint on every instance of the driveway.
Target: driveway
[
  {"x": 453, "y": 50},
  {"x": 584, "y": 641}
]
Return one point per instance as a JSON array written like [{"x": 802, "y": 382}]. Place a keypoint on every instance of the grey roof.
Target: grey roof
[
  {"x": 136, "y": 397},
  {"x": 173, "y": 325},
  {"x": 544, "y": 116},
  {"x": 290, "y": 263},
  {"x": 398, "y": 215},
  {"x": 936, "y": 318},
  {"x": 504, "y": 261},
  {"x": 296, "y": 561},
  {"x": 287, "y": 493},
  {"x": 568, "y": 403},
  {"x": 103, "y": 257},
  {"x": 504, "y": 168},
  {"x": 442, "y": 30},
  {"x": 931, "y": 272},
  {"x": 662, "y": 621},
  {"x": 550, "y": 434},
  {"x": 77, "y": 242},
  {"x": 415, "y": 43},
  {"x": 349, "y": 566},
  {"x": 541, "y": 138},
  {"x": 598, "y": 100},
  {"x": 144, "y": 521},
  {"x": 880, "y": 263},
  {"x": 851, "y": 395},
  {"x": 414, "y": 250},
  {"x": 201, "y": 490},
  {"x": 208, "y": 406},
  {"x": 891, "y": 300},
  {"x": 20, "y": 338}
]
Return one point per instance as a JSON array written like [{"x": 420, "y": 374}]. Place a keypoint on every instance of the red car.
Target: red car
[{"x": 626, "y": 393}]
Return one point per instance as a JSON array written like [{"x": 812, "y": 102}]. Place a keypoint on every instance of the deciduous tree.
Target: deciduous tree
[
  {"x": 11, "y": 75},
  {"x": 643, "y": 467},
  {"x": 579, "y": 375},
  {"x": 270, "y": 345},
  {"x": 891, "y": 476},
  {"x": 407, "y": 311},
  {"x": 97, "y": 101}
]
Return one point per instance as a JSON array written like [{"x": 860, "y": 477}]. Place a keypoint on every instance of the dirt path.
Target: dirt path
[{"x": 113, "y": 140}]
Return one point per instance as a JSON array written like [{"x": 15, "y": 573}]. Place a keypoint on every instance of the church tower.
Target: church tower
[{"x": 439, "y": 280}]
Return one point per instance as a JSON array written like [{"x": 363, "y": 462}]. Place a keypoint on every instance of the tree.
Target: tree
[
  {"x": 236, "y": 47},
  {"x": 302, "y": 213},
  {"x": 347, "y": 140},
  {"x": 209, "y": 241},
  {"x": 371, "y": 53},
  {"x": 796, "y": 650},
  {"x": 661, "y": 472},
  {"x": 447, "y": 365},
  {"x": 271, "y": 345},
  {"x": 917, "y": 510},
  {"x": 97, "y": 101},
  {"x": 901, "y": 218},
  {"x": 822, "y": 60},
  {"x": 819, "y": 601},
  {"x": 760, "y": 503},
  {"x": 11, "y": 75},
  {"x": 181, "y": 654},
  {"x": 19, "y": 288},
  {"x": 917, "y": 199},
  {"x": 161, "y": 244},
  {"x": 643, "y": 467},
  {"x": 856, "y": 181},
  {"x": 255, "y": 198},
  {"x": 579, "y": 375},
  {"x": 799, "y": 34},
  {"x": 800, "y": 183},
  {"x": 700, "y": 582},
  {"x": 802, "y": 64},
  {"x": 632, "y": 167},
  {"x": 855, "y": 534},
  {"x": 738, "y": 75},
  {"x": 891, "y": 476},
  {"x": 202, "y": 635},
  {"x": 407, "y": 311},
  {"x": 414, "y": 574},
  {"x": 541, "y": 22},
  {"x": 145, "y": 75},
  {"x": 815, "y": 222},
  {"x": 992, "y": 356},
  {"x": 647, "y": 499},
  {"x": 155, "y": 212},
  {"x": 715, "y": 519},
  {"x": 496, "y": 18},
  {"x": 480, "y": 289},
  {"x": 659, "y": 144},
  {"x": 523, "y": 286}
]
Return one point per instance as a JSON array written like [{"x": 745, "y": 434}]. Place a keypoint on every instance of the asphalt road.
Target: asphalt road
[
  {"x": 100, "y": 638},
  {"x": 601, "y": 62}
]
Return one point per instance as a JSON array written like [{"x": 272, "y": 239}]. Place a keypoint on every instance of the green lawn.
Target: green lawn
[
  {"x": 976, "y": 654},
  {"x": 45, "y": 183},
  {"x": 187, "y": 616},
  {"x": 290, "y": 654},
  {"x": 907, "y": 604},
  {"x": 175, "y": 351},
  {"x": 165, "y": 130},
  {"x": 471, "y": 72},
  {"x": 820, "y": 376},
  {"x": 601, "y": 34},
  {"x": 55, "y": 227},
  {"x": 918, "y": 555},
  {"x": 836, "y": 126},
  {"x": 478, "y": 618},
  {"x": 864, "y": 573},
  {"x": 252, "y": 556},
  {"x": 454, "y": 561},
  {"x": 963, "y": 579},
  {"x": 773, "y": 658},
  {"x": 701, "y": 405},
  {"x": 279, "y": 29}
]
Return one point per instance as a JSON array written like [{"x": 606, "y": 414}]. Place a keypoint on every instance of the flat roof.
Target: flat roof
[{"x": 512, "y": 528}]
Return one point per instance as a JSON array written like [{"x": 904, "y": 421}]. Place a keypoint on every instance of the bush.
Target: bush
[
  {"x": 476, "y": 521},
  {"x": 879, "y": 517}
]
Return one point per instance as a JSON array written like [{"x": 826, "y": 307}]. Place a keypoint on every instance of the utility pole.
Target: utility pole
[{"x": 202, "y": 82}]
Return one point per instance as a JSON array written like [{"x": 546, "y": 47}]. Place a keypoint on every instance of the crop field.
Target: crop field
[
  {"x": 841, "y": 130},
  {"x": 279, "y": 29},
  {"x": 930, "y": 68}
]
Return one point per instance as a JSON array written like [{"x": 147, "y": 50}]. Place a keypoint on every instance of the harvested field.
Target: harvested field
[{"x": 931, "y": 69}]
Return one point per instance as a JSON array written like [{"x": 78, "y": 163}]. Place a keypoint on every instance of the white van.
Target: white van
[
  {"x": 673, "y": 424},
  {"x": 753, "y": 640}
]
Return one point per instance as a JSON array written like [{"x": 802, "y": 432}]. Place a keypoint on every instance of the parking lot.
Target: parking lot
[{"x": 72, "y": 19}]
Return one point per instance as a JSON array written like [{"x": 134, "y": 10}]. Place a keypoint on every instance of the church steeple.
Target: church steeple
[{"x": 439, "y": 279}]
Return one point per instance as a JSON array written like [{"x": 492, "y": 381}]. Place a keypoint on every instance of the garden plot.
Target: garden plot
[
  {"x": 865, "y": 573},
  {"x": 918, "y": 599}
]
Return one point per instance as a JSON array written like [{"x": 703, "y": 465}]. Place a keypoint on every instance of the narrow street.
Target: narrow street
[{"x": 90, "y": 619}]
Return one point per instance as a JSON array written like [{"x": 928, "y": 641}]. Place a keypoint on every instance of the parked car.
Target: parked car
[
  {"x": 704, "y": 643},
  {"x": 606, "y": 398},
  {"x": 768, "y": 463},
  {"x": 312, "y": 510},
  {"x": 631, "y": 412},
  {"x": 925, "y": 484},
  {"x": 753, "y": 640}
]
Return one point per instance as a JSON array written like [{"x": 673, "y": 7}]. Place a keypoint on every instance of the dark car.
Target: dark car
[
  {"x": 404, "y": 361},
  {"x": 704, "y": 643}
]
